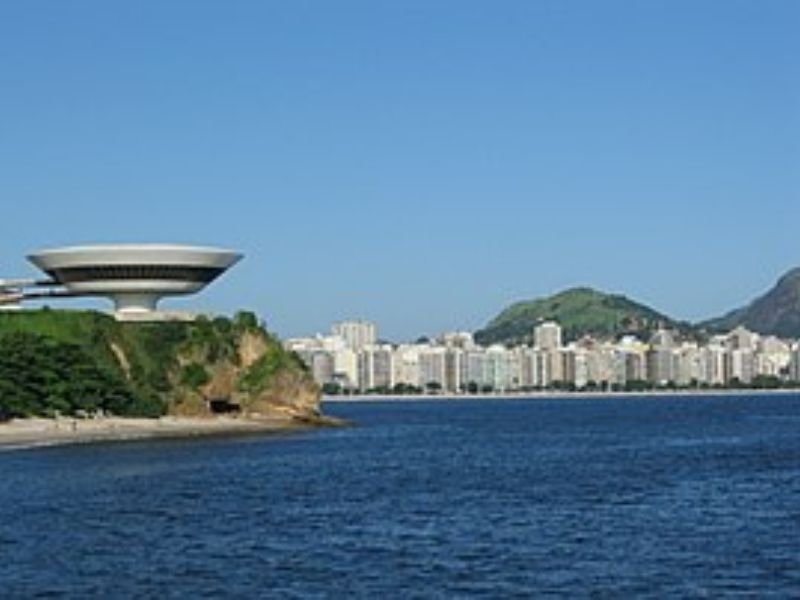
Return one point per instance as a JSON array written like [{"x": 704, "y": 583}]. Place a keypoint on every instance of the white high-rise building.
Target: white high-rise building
[
  {"x": 345, "y": 366},
  {"x": 406, "y": 364},
  {"x": 356, "y": 334},
  {"x": 453, "y": 359},
  {"x": 375, "y": 367},
  {"x": 794, "y": 366},
  {"x": 432, "y": 367},
  {"x": 501, "y": 368},
  {"x": 473, "y": 369},
  {"x": 742, "y": 339},
  {"x": 742, "y": 365},
  {"x": 547, "y": 336},
  {"x": 690, "y": 367},
  {"x": 773, "y": 357},
  {"x": 457, "y": 339}
]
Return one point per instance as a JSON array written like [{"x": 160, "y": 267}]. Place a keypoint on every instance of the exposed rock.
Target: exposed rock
[{"x": 149, "y": 369}]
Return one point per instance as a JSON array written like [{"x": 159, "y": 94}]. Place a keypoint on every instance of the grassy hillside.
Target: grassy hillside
[
  {"x": 579, "y": 311},
  {"x": 71, "y": 361}
]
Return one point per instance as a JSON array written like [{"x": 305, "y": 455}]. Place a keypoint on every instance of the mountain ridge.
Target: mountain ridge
[
  {"x": 776, "y": 312},
  {"x": 583, "y": 310},
  {"x": 580, "y": 311}
]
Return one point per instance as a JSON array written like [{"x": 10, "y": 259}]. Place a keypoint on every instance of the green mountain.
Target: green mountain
[
  {"x": 579, "y": 311},
  {"x": 69, "y": 362},
  {"x": 775, "y": 313}
]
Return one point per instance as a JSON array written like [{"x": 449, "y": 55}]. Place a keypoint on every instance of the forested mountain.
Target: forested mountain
[{"x": 579, "y": 311}]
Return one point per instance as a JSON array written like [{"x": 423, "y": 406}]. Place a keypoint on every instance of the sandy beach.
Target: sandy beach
[{"x": 27, "y": 433}]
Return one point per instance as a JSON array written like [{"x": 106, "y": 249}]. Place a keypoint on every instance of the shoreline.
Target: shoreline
[
  {"x": 20, "y": 434},
  {"x": 39, "y": 432},
  {"x": 555, "y": 395}
]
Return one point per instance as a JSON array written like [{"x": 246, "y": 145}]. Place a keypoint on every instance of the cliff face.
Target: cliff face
[
  {"x": 92, "y": 362},
  {"x": 258, "y": 378}
]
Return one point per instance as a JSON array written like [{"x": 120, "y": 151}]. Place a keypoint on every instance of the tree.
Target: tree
[
  {"x": 331, "y": 388},
  {"x": 194, "y": 375},
  {"x": 245, "y": 320},
  {"x": 766, "y": 382},
  {"x": 42, "y": 376}
]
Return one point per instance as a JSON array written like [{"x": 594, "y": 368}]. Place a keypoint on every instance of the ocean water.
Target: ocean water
[{"x": 636, "y": 497}]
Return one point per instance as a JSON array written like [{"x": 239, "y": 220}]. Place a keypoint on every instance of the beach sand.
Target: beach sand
[{"x": 27, "y": 433}]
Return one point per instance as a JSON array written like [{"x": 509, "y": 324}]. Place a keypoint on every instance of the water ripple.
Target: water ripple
[{"x": 669, "y": 498}]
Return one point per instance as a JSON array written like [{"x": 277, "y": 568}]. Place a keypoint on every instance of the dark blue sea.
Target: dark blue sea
[{"x": 636, "y": 497}]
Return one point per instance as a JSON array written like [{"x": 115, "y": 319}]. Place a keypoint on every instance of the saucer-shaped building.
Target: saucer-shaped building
[{"x": 134, "y": 276}]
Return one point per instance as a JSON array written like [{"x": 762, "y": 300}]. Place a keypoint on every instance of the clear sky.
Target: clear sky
[{"x": 418, "y": 163}]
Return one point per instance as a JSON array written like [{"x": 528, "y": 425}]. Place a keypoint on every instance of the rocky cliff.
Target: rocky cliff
[{"x": 71, "y": 361}]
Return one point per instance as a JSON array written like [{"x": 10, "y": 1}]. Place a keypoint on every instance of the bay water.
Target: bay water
[{"x": 625, "y": 497}]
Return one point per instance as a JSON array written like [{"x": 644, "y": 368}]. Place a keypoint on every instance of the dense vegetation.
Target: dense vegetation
[
  {"x": 71, "y": 362},
  {"x": 40, "y": 375},
  {"x": 579, "y": 311},
  {"x": 760, "y": 382}
]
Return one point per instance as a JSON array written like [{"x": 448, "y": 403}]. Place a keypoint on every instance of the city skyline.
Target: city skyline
[
  {"x": 420, "y": 165},
  {"x": 779, "y": 289},
  {"x": 352, "y": 359}
]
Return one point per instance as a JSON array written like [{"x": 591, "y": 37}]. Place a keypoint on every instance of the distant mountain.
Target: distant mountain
[
  {"x": 775, "y": 313},
  {"x": 580, "y": 311}
]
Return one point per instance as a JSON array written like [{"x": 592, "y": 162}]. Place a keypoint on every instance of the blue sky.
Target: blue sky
[{"x": 418, "y": 163}]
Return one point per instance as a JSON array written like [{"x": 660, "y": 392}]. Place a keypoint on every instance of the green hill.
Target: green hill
[
  {"x": 579, "y": 311},
  {"x": 81, "y": 361},
  {"x": 775, "y": 313}
]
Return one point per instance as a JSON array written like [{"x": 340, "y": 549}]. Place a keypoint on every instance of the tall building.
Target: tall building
[
  {"x": 375, "y": 368},
  {"x": 716, "y": 366},
  {"x": 356, "y": 334},
  {"x": 742, "y": 365},
  {"x": 321, "y": 365},
  {"x": 452, "y": 369},
  {"x": 794, "y": 365},
  {"x": 635, "y": 366},
  {"x": 345, "y": 365},
  {"x": 690, "y": 365},
  {"x": 433, "y": 367},
  {"x": 473, "y": 369},
  {"x": 547, "y": 336},
  {"x": 542, "y": 374},
  {"x": 406, "y": 364},
  {"x": 497, "y": 368},
  {"x": 661, "y": 360},
  {"x": 526, "y": 357},
  {"x": 773, "y": 357},
  {"x": 457, "y": 339},
  {"x": 742, "y": 339}
]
